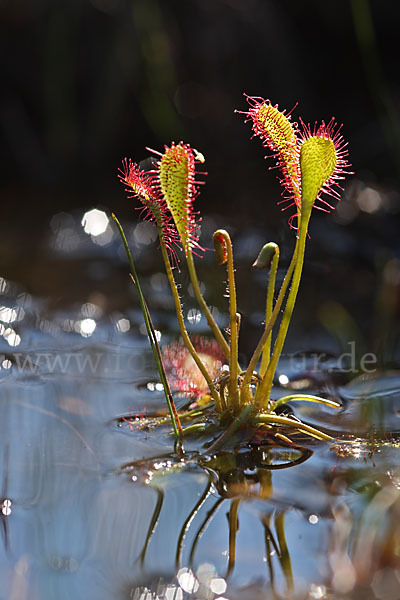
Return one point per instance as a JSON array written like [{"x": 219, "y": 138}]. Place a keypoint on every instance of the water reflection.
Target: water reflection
[
  {"x": 236, "y": 478},
  {"x": 253, "y": 523}
]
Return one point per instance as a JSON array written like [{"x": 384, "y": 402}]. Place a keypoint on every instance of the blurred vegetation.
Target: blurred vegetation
[{"x": 87, "y": 82}]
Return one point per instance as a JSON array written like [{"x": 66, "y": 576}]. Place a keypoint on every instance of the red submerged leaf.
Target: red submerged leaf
[{"x": 183, "y": 373}]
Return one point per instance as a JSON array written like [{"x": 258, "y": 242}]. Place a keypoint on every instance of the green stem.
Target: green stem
[
  {"x": 196, "y": 428},
  {"x": 176, "y": 424},
  {"x": 203, "y": 305},
  {"x": 256, "y": 355},
  {"x": 286, "y": 421},
  {"x": 234, "y": 350},
  {"x": 268, "y": 312},
  {"x": 264, "y": 390},
  {"x": 302, "y": 398},
  {"x": 181, "y": 323}
]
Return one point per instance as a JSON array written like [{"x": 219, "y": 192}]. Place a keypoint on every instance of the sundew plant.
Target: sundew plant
[{"x": 312, "y": 162}]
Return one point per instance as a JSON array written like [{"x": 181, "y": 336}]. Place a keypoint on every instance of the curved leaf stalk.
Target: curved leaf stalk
[
  {"x": 303, "y": 398},
  {"x": 196, "y": 428},
  {"x": 203, "y": 305},
  {"x": 152, "y": 337},
  {"x": 268, "y": 312},
  {"x": 181, "y": 323},
  {"x": 263, "y": 392},
  {"x": 245, "y": 392},
  {"x": 273, "y": 419},
  {"x": 222, "y": 238}
]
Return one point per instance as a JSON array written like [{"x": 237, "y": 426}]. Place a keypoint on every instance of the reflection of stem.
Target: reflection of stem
[
  {"x": 304, "y": 455},
  {"x": 203, "y": 304},
  {"x": 269, "y": 541},
  {"x": 202, "y": 528},
  {"x": 264, "y": 390},
  {"x": 153, "y": 523},
  {"x": 267, "y": 538},
  {"x": 265, "y": 492},
  {"x": 256, "y": 355},
  {"x": 265, "y": 480},
  {"x": 284, "y": 557},
  {"x": 268, "y": 311},
  {"x": 181, "y": 323},
  {"x": 189, "y": 520},
  {"x": 233, "y": 529}
]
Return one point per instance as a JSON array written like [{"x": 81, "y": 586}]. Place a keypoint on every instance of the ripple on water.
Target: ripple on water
[{"x": 209, "y": 525}]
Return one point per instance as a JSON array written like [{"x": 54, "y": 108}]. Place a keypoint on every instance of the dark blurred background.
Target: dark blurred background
[{"x": 87, "y": 82}]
